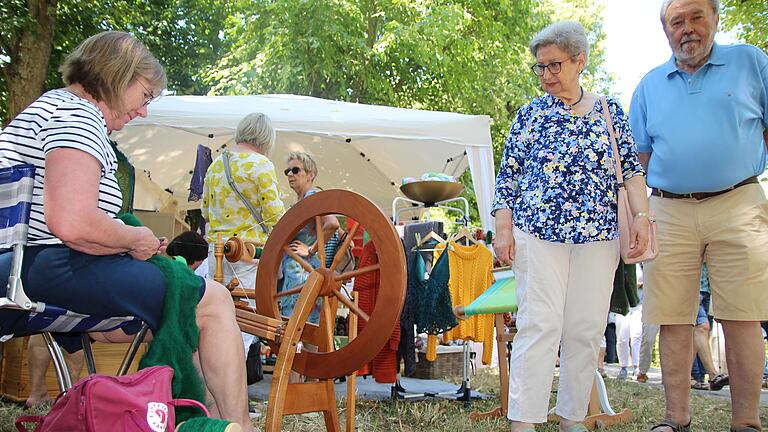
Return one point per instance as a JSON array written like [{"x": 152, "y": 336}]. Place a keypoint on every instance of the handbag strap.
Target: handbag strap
[
  {"x": 612, "y": 135},
  {"x": 247, "y": 203},
  {"x": 38, "y": 420}
]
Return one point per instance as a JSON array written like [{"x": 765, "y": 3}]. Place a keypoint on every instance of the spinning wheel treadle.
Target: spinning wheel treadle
[{"x": 328, "y": 363}]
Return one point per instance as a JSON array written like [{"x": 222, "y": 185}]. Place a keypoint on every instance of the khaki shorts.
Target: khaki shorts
[{"x": 730, "y": 233}]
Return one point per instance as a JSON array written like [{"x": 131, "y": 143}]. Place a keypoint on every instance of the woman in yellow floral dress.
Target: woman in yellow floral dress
[{"x": 254, "y": 175}]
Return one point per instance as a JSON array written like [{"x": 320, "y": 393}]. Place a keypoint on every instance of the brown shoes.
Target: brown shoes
[{"x": 641, "y": 377}]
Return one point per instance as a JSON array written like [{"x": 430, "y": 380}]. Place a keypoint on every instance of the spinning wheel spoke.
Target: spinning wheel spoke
[
  {"x": 343, "y": 248},
  {"x": 294, "y": 290},
  {"x": 352, "y": 306},
  {"x": 320, "y": 244},
  {"x": 357, "y": 272},
  {"x": 304, "y": 264}
]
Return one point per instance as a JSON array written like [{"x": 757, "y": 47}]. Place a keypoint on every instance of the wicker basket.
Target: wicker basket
[{"x": 447, "y": 364}]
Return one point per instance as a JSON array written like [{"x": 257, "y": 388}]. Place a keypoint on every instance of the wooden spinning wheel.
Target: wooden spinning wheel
[
  {"x": 325, "y": 283},
  {"x": 391, "y": 268}
]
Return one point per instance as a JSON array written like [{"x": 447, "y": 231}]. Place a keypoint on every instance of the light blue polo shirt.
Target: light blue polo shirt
[{"x": 704, "y": 131}]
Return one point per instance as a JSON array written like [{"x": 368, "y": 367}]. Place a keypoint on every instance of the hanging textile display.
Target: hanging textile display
[
  {"x": 470, "y": 268},
  {"x": 432, "y": 300},
  {"x": 383, "y": 367},
  {"x": 407, "y": 348}
]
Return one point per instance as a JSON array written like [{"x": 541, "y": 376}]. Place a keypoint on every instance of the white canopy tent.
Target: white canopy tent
[{"x": 364, "y": 148}]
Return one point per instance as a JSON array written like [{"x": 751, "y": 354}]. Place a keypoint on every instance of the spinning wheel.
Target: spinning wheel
[
  {"x": 325, "y": 283},
  {"x": 391, "y": 266}
]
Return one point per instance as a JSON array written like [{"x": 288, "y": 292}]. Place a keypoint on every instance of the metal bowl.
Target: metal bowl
[{"x": 430, "y": 192}]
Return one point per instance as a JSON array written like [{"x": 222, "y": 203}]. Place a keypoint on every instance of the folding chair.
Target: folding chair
[{"x": 16, "y": 187}]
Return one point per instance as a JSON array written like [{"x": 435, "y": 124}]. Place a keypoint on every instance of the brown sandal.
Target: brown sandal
[{"x": 675, "y": 426}]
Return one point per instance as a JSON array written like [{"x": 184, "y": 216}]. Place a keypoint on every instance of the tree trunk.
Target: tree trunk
[{"x": 28, "y": 68}]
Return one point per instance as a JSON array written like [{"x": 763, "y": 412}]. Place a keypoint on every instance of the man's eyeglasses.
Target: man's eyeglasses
[
  {"x": 294, "y": 171},
  {"x": 554, "y": 68},
  {"x": 148, "y": 95}
]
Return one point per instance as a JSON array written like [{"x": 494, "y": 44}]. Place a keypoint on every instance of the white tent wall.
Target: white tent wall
[{"x": 364, "y": 148}]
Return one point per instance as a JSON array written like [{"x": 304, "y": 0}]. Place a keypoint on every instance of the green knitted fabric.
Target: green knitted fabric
[
  {"x": 624, "y": 295},
  {"x": 203, "y": 424},
  {"x": 177, "y": 338}
]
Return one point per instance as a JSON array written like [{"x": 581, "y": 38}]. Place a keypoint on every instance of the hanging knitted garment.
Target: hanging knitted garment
[
  {"x": 432, "y": 300},
  {"x": 407, "y": 349},
  {"x": 383, "y": 367},
  {"x": 470, "y": 277}
]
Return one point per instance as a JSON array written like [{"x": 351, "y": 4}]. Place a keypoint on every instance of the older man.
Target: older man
[{"x": 700, "y": 121}]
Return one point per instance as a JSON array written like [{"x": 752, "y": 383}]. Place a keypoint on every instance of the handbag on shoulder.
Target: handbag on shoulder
[{"x": 624, "y": 211}]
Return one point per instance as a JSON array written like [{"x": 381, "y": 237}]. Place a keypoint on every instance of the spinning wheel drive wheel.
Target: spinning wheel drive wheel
[{"x": 391, "y": 274}]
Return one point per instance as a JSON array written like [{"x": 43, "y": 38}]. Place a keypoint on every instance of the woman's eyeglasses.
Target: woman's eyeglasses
[
  {"x": 294, "y": 171},
  {"x": 554, "y": 68},
  {"x": 148, "y": 95}
]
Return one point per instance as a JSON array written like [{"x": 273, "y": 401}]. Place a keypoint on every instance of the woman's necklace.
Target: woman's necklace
[{"x": 580, "y": 97}]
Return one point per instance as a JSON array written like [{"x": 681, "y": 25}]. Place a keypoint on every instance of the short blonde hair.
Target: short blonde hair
[
  {"x": 107, "y": 63},
  {"x": 256, "y": 129},
  {"x": 569, "y": 36},
  {"x": 310, "y": 167}
]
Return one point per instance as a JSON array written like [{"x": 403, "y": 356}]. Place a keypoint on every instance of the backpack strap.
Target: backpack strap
[{"x": 20, "y": 420}]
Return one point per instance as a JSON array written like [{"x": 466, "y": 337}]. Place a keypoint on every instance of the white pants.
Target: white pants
[
  {"x": 629, "y": 331},
  {"x": 563, "y": 293},
  {"x": 246, "y": 275}
]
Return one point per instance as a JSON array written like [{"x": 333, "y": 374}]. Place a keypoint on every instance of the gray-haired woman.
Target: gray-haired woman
[{"x": 556, "y": 223}]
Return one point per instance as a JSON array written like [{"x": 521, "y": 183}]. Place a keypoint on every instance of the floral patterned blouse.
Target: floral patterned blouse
[
  {"x": 255, "y": 177},
  {"x": 557, "y": 173}
]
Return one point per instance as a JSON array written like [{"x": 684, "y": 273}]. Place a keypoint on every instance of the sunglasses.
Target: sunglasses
[{"x": 294, "y": 171}]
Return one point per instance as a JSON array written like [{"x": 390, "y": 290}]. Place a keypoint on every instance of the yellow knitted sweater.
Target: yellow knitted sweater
[{"x": 470, "y": 276}]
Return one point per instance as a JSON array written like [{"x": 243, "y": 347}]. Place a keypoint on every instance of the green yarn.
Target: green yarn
[
  {"x": 177, "y": 338},
  {"x": 203, "y": 424}
]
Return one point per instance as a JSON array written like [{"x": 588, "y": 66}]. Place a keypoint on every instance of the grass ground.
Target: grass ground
[{"x": 645, "y": 401}]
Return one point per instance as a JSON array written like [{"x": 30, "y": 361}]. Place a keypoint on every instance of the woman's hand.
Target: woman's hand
[
  {"x": 639, "y": 233},
  {"x": 504, "y": 246},
  {"x": 300, "y": 248},
  {"x": 145, "y": 245}
]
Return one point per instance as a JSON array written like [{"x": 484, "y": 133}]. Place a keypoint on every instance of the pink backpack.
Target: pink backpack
[{"x": 139, "y": 402}]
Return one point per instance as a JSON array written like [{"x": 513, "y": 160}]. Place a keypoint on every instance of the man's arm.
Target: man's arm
[{"x": 644, "y": 158}]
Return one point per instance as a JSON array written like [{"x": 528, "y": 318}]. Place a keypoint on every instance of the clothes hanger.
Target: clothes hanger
[
  {"x": 465, "y": 234},
  {"x": 421, "y": 241}
]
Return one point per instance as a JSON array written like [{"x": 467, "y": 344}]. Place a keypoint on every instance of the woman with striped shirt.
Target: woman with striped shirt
[{"x": 80, "y": 257}]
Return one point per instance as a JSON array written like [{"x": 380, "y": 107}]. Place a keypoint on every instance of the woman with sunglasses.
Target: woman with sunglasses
[
  {"x": 556, "y": 224},
  {"x": 301, "y": 173}
]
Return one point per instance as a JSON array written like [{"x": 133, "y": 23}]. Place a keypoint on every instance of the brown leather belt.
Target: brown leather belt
[{"x": 701, "y": 195}]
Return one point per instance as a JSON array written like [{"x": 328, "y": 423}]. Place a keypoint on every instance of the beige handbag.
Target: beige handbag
[{"x": 624, "y": 211}]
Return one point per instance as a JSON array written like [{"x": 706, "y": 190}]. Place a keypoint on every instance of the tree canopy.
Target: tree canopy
[{"x": 750, "y": 20}]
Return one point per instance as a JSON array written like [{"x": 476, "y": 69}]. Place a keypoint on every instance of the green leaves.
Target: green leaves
[{"x": 750, "y": 20}]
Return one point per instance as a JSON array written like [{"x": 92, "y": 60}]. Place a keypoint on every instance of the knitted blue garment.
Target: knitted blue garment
[{"x": 432, "y": 298}]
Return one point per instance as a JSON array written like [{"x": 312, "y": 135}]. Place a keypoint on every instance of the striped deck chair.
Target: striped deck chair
[{"x": 16, "y": 186}]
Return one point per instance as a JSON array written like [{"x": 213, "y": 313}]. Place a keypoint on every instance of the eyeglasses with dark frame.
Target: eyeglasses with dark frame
[
  {"x": 149, "y": 96},
  {"x": 293, "y": 170},
  {"x": 554, "y": 67}
]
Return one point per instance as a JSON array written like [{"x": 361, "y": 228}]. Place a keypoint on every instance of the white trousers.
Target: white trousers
[
  {"x": 245, "y": 273},
  {"x": 629, "y": 331},
  {"x": 563, "y": 295}
]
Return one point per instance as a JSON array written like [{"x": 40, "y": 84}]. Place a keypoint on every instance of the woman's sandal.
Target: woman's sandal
[
  {"x": 675, "y": 426},
  {"x": 718, "y": 382}
]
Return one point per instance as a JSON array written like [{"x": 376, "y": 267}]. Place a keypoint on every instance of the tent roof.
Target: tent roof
[{"x": 364, "y": 148}]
